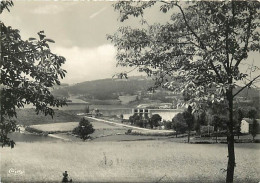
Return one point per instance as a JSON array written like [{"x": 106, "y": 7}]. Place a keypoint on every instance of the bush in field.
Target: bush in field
[
  {"x": 139, "y": 123},
  {"x": 122, "y": 118},
  {"x": 179, "y": 124},
  {"x": 154, "y": 121},
  {"x": 84, "y": 129},
  {"x": 133, "y": 119},
  {"x": 168, "y": 125}
]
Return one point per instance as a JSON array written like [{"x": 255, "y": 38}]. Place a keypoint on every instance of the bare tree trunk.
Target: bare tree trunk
[{"x": 230, "y": 140}]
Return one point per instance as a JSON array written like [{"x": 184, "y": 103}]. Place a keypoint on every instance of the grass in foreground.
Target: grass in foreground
[{"x": 148, "y": 161}]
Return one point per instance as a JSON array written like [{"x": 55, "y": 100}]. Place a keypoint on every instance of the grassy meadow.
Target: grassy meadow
[
  {"x": 29, "y": 117},
  {"x": 139, "y": 161}
]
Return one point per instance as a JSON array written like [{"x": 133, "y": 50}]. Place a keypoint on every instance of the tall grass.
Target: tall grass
[{"x": 148, "y": 161}]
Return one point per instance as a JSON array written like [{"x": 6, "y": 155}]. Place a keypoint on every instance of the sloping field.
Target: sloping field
[
  {"x": 29, "y": 117},
  {"x": 69, "y": 126},
  {"x": 55, "y": 127},
  {"x": 142, "y": 161}
]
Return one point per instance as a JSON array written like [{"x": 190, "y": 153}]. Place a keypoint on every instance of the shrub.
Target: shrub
[
  {"x": 133, "y": 119},
  {"x": 84, "y": 129},
  {"x": 154, "y": 121},
  {"x": 179, "y": 124},
  {"x": 168, "y": 125},
  {"x": 139, "y": 123}
]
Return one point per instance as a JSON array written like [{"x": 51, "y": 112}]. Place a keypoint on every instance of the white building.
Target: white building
[
  {"x": 246, "y": 125},
  {"x": 166, "y": 114}
]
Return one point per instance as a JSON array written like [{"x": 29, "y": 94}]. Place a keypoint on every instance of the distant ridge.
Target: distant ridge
[
  {"x": 107, "y": 89},
  {"x": 104, "y": 89}
]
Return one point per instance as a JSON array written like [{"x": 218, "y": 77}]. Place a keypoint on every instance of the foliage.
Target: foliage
[
  {"x": 199, "y": 120},
  {"x": 203, "y": 45},
  {"x": 252, "y": 114},
  {"x": 84, "y": 129},
  {"x": 238, "y": 119},
  {"x": 179, "y": 123},
  {"x": 87, "y": 109},
  {"x": 138, "y": 121},
  {"x": 202, "y": 118},
  {"x": 189, "y": 119},
  {"x": 122, "y": 117},
  {"x": 154, "y": 120},
  {"x": 254, "y": 129},
  {"x": 218, "y": 123},
  {"x": 168, "y": 125},
  {"x": 28, "y": 70},
  {"x": 131, "y": 120}
]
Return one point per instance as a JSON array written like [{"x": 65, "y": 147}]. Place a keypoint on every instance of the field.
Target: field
[
  {"x": 29, "y": 117},
  {"x": 111, "y": 157},
  {"x": 146, "y": 161},
  {"x": 56, "y": 127}
]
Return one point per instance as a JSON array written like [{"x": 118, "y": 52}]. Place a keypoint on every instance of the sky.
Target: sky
[{"x": 79, "y": 29}]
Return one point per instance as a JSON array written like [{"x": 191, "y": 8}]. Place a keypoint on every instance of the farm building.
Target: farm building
[{"x": 246, "y": 125}]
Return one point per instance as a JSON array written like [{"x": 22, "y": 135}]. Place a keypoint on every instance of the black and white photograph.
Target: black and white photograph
[{"x": 133, "y": 91}]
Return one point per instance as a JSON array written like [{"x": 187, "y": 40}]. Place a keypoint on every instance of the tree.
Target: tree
[
  {"x": 219, "y": 113},
  {"x": 179, "y": 124},
  {"x": 28, "y": 70},
  {"x": 254, "y": 129},
  {"x": 189, "y": 120},
  {"x": 252, "y": 114},
  {"x": 203, "y": 45},
  {"x": 240, "y": 117},
  {"x": 84, "y": 129},
  {"x": 217, "y": 123},
  {"x": 131, "y": 120},
  {"x": 155, "y": 119},
  {"x": 122, "y": 118},
  {"x": 199, "y": 120},
  {"x": 87, "y": 109},
  {"x": 136, "y": 119}
]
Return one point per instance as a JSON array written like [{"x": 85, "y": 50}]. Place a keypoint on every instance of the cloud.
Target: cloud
[
  {"x": 84, "y": 64},
  {"x": 48, "y": 9},
  {"x": 97, "y": 13}
]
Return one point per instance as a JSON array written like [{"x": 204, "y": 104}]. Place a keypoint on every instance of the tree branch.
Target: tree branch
[
  {"x": 186, "y": 22},
  {"x": 247, "y": 39},
  {"x": 247, "y": 85},
  {"x": 226, "y": 65}
]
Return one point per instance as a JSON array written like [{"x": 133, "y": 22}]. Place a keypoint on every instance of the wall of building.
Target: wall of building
[
  {"x": 244, "y": 126},
  {"x": 166, "y": 114}
]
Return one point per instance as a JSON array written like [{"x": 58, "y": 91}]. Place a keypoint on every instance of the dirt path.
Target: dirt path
[{"x": 129, "y": 126}]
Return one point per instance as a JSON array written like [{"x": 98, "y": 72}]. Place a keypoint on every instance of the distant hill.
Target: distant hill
[
  {"x": 106, "y": 89},
  {"x": 110, "y": 89}
]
